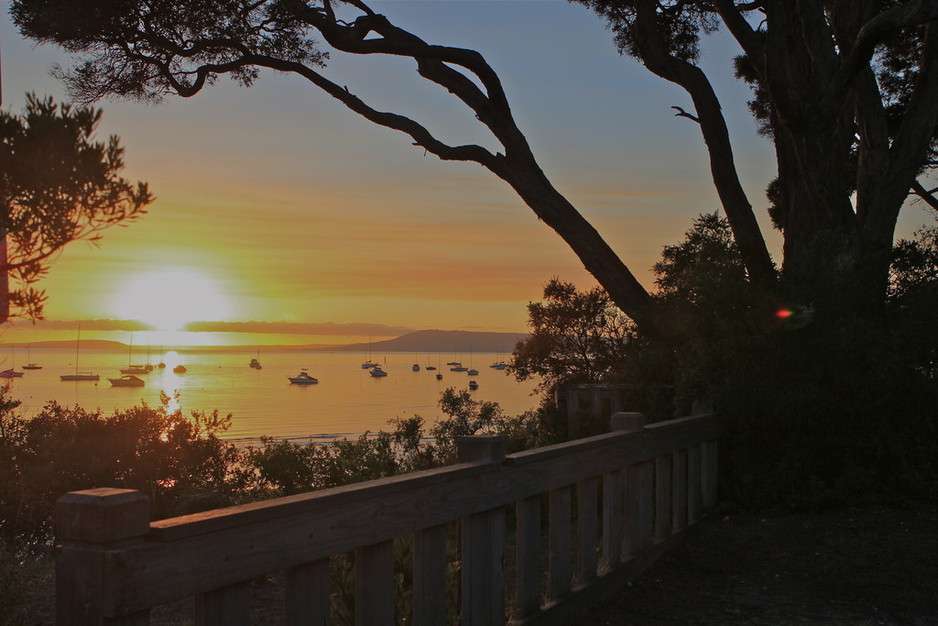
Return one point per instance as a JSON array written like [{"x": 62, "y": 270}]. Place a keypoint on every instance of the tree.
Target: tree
[
  {"x": 148, "y": 49},
  {"x": 576, "y": 337},
  {"x": 57, "y": 185},
  {"x": 846, "y": 92}
]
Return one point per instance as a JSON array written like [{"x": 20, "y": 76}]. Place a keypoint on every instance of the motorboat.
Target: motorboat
[
  {"x": 127, "y": 380},
  {"x": 473, "y": 385},
  {"x": 10, "y": 373},
  {"x": 415, "y": 367},
  {"x": 255, "y": 364},
  {"x": 180, "y": 369},
  {"x": 303, "y": 378},
  {"x": 135, "y": 369},
  {"x": 377, "y": 372}
]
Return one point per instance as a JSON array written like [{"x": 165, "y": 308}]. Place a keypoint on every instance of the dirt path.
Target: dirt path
[{"x": 847, "y": 566}]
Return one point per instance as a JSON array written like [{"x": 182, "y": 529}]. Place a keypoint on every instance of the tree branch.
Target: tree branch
[
  {"x": 928, "y": 195},
  {"x": 682, "y": 113},
  {"x": 912, "y": 13},
  {"x": 716, "y": 135}
]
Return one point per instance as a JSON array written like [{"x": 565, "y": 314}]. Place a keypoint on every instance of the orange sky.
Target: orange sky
[{"x": 276, "y": 204}]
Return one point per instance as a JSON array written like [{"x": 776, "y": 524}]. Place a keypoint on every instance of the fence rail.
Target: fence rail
[{"x": 596, "y": 511}]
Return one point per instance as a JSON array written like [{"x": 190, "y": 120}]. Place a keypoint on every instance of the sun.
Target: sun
[{"x": 169, "y": 299}]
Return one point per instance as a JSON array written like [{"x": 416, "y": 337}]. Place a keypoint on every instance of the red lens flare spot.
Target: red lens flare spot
[{"x": 784, "y": 314}]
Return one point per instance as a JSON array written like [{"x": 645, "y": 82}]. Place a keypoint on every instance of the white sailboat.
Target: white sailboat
[{"x": 79, "y": 375}]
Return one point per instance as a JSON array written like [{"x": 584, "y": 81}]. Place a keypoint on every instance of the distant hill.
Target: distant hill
[
  {"x": 99, "y": 345},
  {"x": 445, "y": 341},
  {"x": 438, "y": 341}
]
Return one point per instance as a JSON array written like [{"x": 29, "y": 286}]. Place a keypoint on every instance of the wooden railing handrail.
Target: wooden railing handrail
[{"x": 141, "y": 564}]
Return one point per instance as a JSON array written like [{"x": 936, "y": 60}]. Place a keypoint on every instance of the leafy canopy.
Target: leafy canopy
[{"x": 57, "y": 185}]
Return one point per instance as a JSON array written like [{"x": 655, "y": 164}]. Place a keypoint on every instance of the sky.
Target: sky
[{"x": 276, "y": 204}]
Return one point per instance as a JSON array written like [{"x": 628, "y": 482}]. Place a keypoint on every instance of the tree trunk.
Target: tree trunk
[{"x": 533, "y": 186}]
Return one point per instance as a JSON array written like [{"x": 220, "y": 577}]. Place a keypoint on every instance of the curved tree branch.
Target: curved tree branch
[
  {"x": 928, "y": 195},
  {"x": 716, "y": 135}
]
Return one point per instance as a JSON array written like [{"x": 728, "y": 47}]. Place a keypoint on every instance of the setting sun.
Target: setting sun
[{"x": 168, "y": 299}]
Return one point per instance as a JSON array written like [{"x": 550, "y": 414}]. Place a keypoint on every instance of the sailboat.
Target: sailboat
[
  {"x": 369, "y": 364},
  {"x": 256, "y": 363},
  {"x": 133, "y": 369},
  {"x": 30, "y": 366},
  {"x": 11, "y": 373},
  {"x": 79, "y": 375}
]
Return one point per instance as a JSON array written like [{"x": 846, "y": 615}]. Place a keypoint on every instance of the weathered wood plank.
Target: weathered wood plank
[
  {"x": 559, "y": 544},
  {"x": 679, "y": 491},
  {"x": 528, "y": 549},
  {"x": 430, "y": 576},
  {"x": 374, "y": 584},
  {"x": 612, "y": 519},
  {"x": 228, "y": 606},
  {"x": 647, "y": 490},
  {"x": 694, "y": 477},
  {"x": 306, "y": 594},
  {"x": 709, "y": 463},
  {"x": 587, "y": 529},
  {"x": 664, "y": 522},
  {"x": 482, "y": 577}
]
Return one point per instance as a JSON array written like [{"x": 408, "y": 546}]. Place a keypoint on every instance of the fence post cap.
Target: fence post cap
[
  {"x": 102, "y": 515},
  {"x": 480, "y": 448},
  {"x": 627, "y": 421}
]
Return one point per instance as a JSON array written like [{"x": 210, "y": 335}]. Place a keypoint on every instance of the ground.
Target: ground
[
  {"x": 856, "y": 566},
  {"x": 844, "y": 566}
]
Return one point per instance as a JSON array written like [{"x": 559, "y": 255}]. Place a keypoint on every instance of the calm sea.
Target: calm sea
[{"x": 346, "y": 402}]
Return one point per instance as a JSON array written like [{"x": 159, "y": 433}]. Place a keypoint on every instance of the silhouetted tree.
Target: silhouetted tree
[
  {"x": 576, "y": 337},
  {"x": 57, "y": 185},
  {"x": 845, "y": 90},
  {"x": 145, "y": 50}
]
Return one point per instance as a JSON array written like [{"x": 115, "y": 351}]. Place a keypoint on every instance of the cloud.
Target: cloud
[
  {"x": 291, "y": 328},
  {"x": 97, "y": 324}
]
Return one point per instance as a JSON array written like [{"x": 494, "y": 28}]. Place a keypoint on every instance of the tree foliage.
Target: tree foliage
[
  {"x": 148, "y": 49},
  {"x": 576, "y": 337},
  {"x": 845, "y": 92},
  {"x": 57, "y": 185}
]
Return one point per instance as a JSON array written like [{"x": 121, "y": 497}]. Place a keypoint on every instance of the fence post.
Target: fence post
[
  {"x": 483, "y": 543},
  {"x": 629, "y": 422},
  {"x": 90, "y": 524}
]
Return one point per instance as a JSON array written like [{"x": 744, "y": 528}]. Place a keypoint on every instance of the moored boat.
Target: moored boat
[
  {"x": 80, "y": 376},
  {"x": 127, "y": 380},
  {"x": 377, "y": 372},
  {"x": 473, "y": 385},
  {"x": 303, "y": 378},
  {"x": 10, "y": 373},
  {"x": 180, "y": 369}
]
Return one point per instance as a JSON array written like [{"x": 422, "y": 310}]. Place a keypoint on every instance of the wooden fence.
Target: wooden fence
[{"x": 540, "y": 535}]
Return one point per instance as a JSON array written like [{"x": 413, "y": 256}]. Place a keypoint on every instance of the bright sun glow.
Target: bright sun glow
[{"x": 168, "y": 299}]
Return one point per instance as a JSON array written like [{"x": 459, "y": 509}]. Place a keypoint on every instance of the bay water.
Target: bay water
[{"x": 346, "y": 402}]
